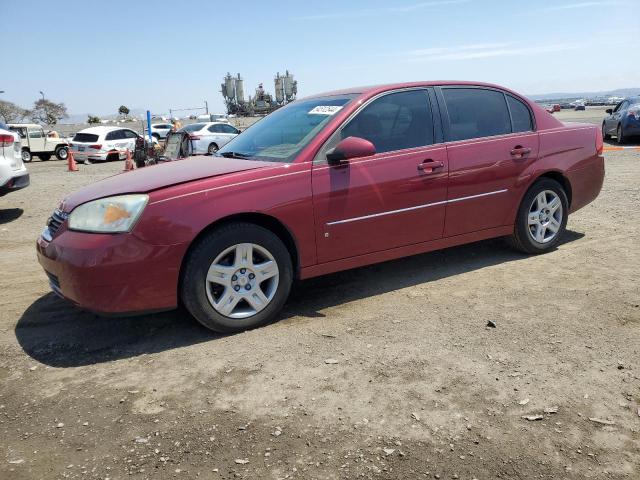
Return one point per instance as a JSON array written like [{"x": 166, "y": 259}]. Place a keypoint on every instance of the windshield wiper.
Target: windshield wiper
[{"x": 235, "y": 155}]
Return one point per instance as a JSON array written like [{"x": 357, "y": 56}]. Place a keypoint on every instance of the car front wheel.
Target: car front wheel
[
  {"x": 236, "y": 278},
  {"x": 542, "y": 217},
  {"x": 62, "y": 153},
  {"x": 620, "y": 134},
  {"x": 213, "y": 148}
]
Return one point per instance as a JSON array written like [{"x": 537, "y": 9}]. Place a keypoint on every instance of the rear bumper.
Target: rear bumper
[
  {"x": 111, "y": 274},
  {"x": 15, "y": 183},
  {"x": 586, "y": 182}
]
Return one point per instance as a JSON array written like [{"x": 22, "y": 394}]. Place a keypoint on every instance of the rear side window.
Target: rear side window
[
  {"x": 130, "y": 134},
  {"x": 520, "y": 115},
  {"x": 475, "y": 113},
  {"x": 85, "y": 137},
  {"x": 194, "y": 127},
  {"x": 115, "y": 135},
  {"x": 394, "y": 122},
  {"x": 228, "y": 129}
]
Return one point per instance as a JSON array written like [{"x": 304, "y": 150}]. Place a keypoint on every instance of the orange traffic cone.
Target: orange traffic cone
[
  {"x": 128, "y": 164},
  {"x": 72, "y": 166}
]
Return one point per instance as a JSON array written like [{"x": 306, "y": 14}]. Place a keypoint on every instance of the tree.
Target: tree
[
  {"x": 12, "y": 112},
  {"x": 123, "y": 110},
  {"x": 48, "y": 112},
  {"x": 91, "y": 119}
]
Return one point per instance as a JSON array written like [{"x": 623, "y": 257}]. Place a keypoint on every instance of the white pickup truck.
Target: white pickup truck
[{"x": 35, "y": 142}]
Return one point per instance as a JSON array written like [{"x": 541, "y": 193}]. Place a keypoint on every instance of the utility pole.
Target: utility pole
[
  {"x": 206, "y": 107},
  {"x": 42, "y": 93}
]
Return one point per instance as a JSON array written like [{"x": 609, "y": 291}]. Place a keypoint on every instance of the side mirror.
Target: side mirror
[
  {"x": 609, "y": 111},
  {"x": 350, "y": 147}
]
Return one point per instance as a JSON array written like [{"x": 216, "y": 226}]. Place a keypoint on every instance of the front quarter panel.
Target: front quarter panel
[{"x": 176, "y": 215}]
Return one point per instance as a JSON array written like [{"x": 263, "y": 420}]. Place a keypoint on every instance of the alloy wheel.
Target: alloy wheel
[
  {"x": 545, "y": 216},
  {"x": 242, "y": 280}
]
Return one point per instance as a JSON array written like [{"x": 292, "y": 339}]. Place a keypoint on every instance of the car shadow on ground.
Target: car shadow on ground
[
  {"x": 54, "y": 332},
  {"x": 10, "y": 214},
  {"x": 631, "y": 142}
]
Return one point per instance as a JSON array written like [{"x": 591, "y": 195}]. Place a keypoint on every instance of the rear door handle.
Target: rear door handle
[
  {"x": 519, "y": 151},
  {"x": 430, "y": 166}
]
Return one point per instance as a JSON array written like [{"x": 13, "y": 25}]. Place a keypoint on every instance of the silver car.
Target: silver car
[{"x": 208, "y": 137}]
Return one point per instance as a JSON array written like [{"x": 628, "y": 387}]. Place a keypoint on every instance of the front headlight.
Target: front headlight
[{"x": 108, "y": 215}]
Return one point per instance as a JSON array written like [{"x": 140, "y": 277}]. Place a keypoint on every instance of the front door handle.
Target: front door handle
[
  {"x": 430, "y": 166},
  {"x": 519, "y": 151}
]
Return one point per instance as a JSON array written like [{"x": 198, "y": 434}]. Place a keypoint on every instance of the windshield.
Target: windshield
[{"x": 280, "y": 136}]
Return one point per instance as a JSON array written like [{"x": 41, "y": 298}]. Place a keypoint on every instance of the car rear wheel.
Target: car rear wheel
[
  {"x": 62, "y": 153},
  {"x": 236, "y": 278},
  {"x": 542, "y": 217},
  {"x": 213, "y": 148},
  {"x": 620, "y": 135},
  {"x": 26, "y": 155},
  {"x": 605, "y": 135}
]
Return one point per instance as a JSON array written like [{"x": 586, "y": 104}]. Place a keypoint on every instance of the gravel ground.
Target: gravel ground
[{"x": 388, "y": 371}]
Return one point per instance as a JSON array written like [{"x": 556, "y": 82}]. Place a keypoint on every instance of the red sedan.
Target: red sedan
[{"x": 327, "y": 183}]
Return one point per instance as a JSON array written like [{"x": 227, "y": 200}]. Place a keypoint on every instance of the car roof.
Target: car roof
[
  {"x": 99, "y": 130},
  {"x": 24, "y": 125},
  {"x": 375, "y": 89}
]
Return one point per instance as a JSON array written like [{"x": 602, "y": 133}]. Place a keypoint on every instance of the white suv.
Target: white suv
[
  {"x": 103, "y": 143},
  {"x": 13, "y": 173},
  {"x": 160, "y": 130}
]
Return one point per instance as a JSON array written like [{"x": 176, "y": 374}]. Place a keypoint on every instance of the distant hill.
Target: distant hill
[
  {"x": 138, "y": 113},
  {"x": 620, "y": 92}
]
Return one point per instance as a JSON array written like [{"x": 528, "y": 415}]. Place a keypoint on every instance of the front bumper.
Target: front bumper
[
  {"x": 15, "y": 183},
  {"x": 112, "y": 274}
]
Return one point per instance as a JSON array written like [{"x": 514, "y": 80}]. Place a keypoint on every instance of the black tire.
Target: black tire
[
  {"x": 621, "y": 139},
  {"x": 62, "y": 153},
  {"x": 194, "y": 271},
  {"x": 45, "y": 157},
  {"x": 213, "y": 148},
  {"x": 26, "y": 155},
  {"x": 522, "y": 238},
  {"x": 156, "y": 136},
  {"x": 113, "y": 157},
  {"x": 605, "y": 135}
]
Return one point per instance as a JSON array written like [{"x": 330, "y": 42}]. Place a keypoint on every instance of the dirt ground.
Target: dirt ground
[{"x": 388, "y": 371}]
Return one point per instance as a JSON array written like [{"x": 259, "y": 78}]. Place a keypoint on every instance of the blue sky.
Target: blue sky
[{"x": 95, "y": 56}]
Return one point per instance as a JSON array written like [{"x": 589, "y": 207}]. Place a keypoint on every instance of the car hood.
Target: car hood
[{"x": 159, "y": 176}]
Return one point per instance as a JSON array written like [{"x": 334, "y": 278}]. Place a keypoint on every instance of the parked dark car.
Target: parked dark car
[
  {"x": 325, "y": 183},
  {"x": 623, "y": 121}
]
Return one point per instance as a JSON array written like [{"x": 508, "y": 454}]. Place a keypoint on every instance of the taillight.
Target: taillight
[
  {"x": 6, "y": 140},
  {"x": 599, "y": 142},
  {"x": 634, "y": 114},
  {"x": 194, "y": 137},
  {"x": 95, "y": 147}
]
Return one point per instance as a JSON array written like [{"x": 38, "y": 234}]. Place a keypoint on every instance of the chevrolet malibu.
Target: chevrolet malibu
[{"x": 326, "y": 183}]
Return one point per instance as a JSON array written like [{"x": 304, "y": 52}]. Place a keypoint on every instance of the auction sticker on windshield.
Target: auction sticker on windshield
[{"x": 325, "y": 110}]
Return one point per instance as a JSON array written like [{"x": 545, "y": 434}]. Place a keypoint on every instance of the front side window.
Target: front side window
[
  {"x": 130, "y": 134},
  {"x": 281, "y": 135},
  {"x": 215, "y": 129},
  {"x": 475, "y": 113},
  {"x": 396, "y": 121},
  {"x": 520, "y": 115}
]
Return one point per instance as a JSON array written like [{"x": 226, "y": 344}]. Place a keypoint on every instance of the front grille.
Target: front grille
[{"x": 56, "y": 220}]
